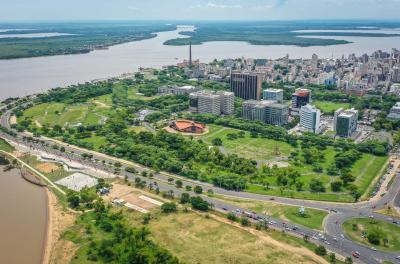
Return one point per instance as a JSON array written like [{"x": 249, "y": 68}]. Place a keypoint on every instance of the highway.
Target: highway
[{"x": 332, "y": 237}]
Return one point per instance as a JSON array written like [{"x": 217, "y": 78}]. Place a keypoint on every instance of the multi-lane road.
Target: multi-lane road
[{"x": 332, "y": 237}]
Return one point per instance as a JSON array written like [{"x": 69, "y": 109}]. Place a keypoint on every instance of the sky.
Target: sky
[{"x": 44, "y": 10}]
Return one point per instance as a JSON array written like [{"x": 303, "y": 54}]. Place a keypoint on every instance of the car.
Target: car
[
  {"x": 356, "y": 254},
  {"x": 327, "y": 242},
  {"x": 342, "y": 236},
  {"x": 398, "y": 257},
  {"x": 371, "y": 216},
  {"x": 224, "y": 208},
  {"x": 374, "y": 249},
  {"x": 272, "y": 198},
  {"x": 334, "y": 238}
]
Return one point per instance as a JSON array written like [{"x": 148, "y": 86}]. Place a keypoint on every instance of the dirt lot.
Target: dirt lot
[
  {"x": 47, "y": 167},
  {"x": 130, "y": 195}
]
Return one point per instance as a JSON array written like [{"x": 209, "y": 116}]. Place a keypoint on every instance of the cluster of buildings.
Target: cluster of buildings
[{"x": 356, "y": 75}]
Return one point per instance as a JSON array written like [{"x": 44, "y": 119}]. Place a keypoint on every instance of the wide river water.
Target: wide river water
[
  {"x": 23, "y": 210},
  {"x": 19, "y": 77}
]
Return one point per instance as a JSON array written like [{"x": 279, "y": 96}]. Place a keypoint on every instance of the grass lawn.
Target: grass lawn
[
  {"x": 97, "y": 141},
  {"x": 313, "y": 219},
  {"x": 5, "y": 146},
  {"x": 328, "y": 107},
  {"x": 260, "y": 149},
  {"x": 196, "y": 239},
  {"x": 366, "y": 170},
  {"x": 92, "y": 113},
  {"x": 354, "y": 228}
]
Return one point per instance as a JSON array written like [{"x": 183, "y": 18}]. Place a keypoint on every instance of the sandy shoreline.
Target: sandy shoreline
[{"x": 49, "y": 235}]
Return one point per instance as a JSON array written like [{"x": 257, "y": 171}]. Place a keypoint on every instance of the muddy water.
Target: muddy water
[{"x": 23, "y": 215}]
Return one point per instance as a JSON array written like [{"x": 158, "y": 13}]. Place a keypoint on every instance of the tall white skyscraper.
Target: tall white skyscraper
[{"x": 310, "y": 118}]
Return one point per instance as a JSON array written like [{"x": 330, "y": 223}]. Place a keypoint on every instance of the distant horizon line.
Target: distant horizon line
[{"x": 200, "y": 20}]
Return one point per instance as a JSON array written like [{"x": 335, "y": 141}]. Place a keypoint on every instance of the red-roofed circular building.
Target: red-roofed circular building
[{"x": 188, "y": 126}]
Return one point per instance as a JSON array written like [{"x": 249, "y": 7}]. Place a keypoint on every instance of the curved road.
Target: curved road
[{"x": 333, "y": 238}]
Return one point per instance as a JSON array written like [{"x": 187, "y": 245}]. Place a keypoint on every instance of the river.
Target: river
[
  {"x": 23, "y": 208},
  {"x": 19, "y": 77}
]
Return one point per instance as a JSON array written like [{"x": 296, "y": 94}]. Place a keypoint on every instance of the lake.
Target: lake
[{"x": 19, "y": 77}]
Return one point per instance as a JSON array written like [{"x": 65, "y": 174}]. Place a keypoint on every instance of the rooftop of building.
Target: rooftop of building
[
  {"x": 184, "y": 124},
  {"x": 309, "y": 107},
  {"x": 302, "y": 92},
  {"x": 273, "y": 90}
]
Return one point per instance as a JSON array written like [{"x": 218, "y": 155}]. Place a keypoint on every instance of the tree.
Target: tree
[
  {"x": 185, "y": 198},
  {"x": 354, "y": 192},
  {"x": 244, "y": 221},
  {"x": 374, "y": 237},
  {"x": 217, "y": 142},
  {"x": 178, "y": 183},
  {"x": 332, "y": 258},
  {"x": 299, "y": 186},
  {"x": 73, "y": 200},
  {"x": 146, "y": 219},
  {"x": 336, "y": 186},
  {"x": 316, "y": 186},
  {"x": 306, "y": 238},
  {"x": 198, "y": 189},
  {"x": 320, "y": 251},
  {"x": 199, "y": 204},
  {"x": 169, "y": 207},
  {"x": 231, "y": 216},
  {"x": 385, "y": 242}
]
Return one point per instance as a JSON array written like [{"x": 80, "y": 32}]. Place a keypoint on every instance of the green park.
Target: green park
[{"x": 374, "y": 233}]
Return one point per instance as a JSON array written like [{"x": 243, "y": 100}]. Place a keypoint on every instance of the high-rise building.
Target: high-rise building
[
  {"x": 345, "y": 122},
  {"x": 310, "y": 118},
  {"x": 301, "y": 97},
  {"x": 273, "y": 94},
  {"x": 396, "y": 75},
  {"x": 247, "y": 86},
  {"x": 268, "y": 112},
  {"x": 211, "y": 102}
]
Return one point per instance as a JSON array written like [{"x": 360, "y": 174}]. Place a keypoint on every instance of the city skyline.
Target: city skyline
[{"x": 46, "y": 10}]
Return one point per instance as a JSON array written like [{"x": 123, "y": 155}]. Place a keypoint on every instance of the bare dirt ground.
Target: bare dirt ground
[
  {"x": 130, "y": 195},
  {"x": 101, "y": 104},
  {"x": 47, "y": 167},
  {"x": 18, "y": 154},
  {"x": 58, "y": 251},
  {"x": 13, "y": 120}
]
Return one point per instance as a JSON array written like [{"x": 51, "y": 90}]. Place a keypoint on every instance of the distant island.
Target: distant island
[{"x": 278, "y": 33}]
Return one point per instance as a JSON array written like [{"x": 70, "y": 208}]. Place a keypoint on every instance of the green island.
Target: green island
[
  {"x": 374, "y": 233},
  {"x": 83, "y": 37}
]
